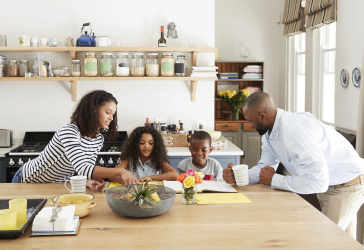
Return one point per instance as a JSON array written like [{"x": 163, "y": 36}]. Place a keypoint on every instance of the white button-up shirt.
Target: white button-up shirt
[{"x": 314, "y": 154}]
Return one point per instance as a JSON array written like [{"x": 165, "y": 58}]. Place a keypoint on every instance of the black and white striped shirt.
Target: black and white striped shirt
[{"x": 66, "y": 153}]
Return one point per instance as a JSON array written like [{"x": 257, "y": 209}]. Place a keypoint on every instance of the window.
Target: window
[
  {"x": 296, "y": 73},
  {"x": 327, "y": 73}
]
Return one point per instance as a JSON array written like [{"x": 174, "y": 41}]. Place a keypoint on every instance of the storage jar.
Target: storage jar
[
  {"x": 152, "y": 64},
  {"x": 75, "y": 68},
  {"x": 13, "y": 68},
  {"x": 23, "y": 67},
  {"x": 137, "y": 65},
  {"x": 90, "y": 64},
  {"x": 65, "y": 71},
  {"x": 122, "y": 67},
  {"x": 106, "y": 64},
  {"x": 181, "y": 66},
  {"x": 167, "y": 65}
]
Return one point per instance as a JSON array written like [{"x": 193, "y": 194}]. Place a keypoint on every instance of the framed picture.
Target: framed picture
[{"x": 231, "y": 86}]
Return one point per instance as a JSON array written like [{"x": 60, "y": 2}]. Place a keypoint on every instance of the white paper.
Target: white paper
[
  {"x": 205, "y": 186},
  {"x": 63, "y": 221}
]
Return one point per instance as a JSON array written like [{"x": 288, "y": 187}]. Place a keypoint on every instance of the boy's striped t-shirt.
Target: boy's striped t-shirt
[{"x": 64, "y": 155}]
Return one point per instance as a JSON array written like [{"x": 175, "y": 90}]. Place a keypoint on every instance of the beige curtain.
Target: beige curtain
[
  {"x": 360, "y": 150},
  {"x": 293, "y": 18},
  {"x": 320, "y": 13}
]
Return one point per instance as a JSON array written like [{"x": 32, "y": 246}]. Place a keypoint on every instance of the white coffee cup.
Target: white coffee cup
[
  {"x": 78, "y": 184},
  {"x": 43, "y": 42},
  {"x": 241, "y": 174},
  {"x": 103, "y": 41}
]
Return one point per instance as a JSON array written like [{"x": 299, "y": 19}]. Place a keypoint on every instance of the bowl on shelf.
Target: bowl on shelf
[
  {"x": 130, "y": 209},
  {"x": 83, "y": 202},
  {"x": 215, "y": 135}
]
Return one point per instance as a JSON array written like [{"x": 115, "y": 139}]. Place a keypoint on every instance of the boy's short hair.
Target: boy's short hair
[{"x": 200, "y": 135}]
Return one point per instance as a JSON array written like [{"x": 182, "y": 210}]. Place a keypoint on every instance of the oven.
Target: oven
[{"x": 35, "y": 142}]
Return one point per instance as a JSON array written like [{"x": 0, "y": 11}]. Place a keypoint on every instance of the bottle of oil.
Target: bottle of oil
[
  {"x": 189, "y": 137},
  {"x": 181, "y": 130}
]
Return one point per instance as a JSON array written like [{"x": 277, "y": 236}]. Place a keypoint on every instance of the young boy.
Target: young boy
[{"x": 200, "y": 148}]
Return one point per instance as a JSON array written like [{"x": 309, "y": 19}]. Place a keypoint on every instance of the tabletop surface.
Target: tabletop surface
[{"x": 274, "y": 219}]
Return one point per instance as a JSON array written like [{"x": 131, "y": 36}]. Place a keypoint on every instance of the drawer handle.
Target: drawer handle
[{"x": 226, "y": 125}]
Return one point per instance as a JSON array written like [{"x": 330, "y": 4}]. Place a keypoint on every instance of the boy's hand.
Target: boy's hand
[{"x": 228, "y": 174}]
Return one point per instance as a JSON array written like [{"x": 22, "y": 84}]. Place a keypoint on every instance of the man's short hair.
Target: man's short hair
[
  {"x": 200, "y": 135},
  {"x": 255, "y": 99}
]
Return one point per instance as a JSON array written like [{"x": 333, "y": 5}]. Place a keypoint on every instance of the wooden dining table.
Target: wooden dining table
[{"x": 274, "y": 219}]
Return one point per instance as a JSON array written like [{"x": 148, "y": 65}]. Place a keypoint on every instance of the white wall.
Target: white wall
[
  {"x": 255, "y": 23},
  {"x": 349, "y": 55},
  {"x": 46, "y": 106}
]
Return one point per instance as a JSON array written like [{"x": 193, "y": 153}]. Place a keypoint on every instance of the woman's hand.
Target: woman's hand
[
  {"x": 128, "y": 178},
  {"x": 97, "y": 185},
  {"x": 146, "y": 178}
]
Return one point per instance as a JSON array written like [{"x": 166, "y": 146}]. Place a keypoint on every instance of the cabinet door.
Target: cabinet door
[
  {"x": 225, "y": 160},
  {"x": 2, "y": 170},
  {"x": 175, "y": 160},
  {"x": 231, "y": 136},
  {"x": 252, "y": 148}
]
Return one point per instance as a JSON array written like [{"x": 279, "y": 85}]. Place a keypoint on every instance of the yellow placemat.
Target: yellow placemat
[
  {"x": 222, "y": 198},
  {"x": 114, "y": 184}
]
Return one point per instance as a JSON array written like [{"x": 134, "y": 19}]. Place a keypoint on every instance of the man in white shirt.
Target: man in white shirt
[{"x": 319, "y": 159}]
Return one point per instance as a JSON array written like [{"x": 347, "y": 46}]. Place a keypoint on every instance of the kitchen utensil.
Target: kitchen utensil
[
  {"x": 82, "y": 208},
  {"x": 33, "y": 41},
  {"x": 8, "y": 219},
  {"x": 6, "y": 138},
  {"x": 103, "y": 41},
  {"x": 78, "y": 184},
  {"x": 191, "y": 42},
  {"x": 118, "y": 42},
  {"x": 43, "y": 42},
  {"x": 24, "y": 40},
  {"x": 130, "y": 209},
  {"x": 3, "y": 42},
  {"x": 70, "y": 42},
  {"x": 86, "y": 40},
  {"x": 215, "y": 135},
  {"x": 172, "y": 33}
]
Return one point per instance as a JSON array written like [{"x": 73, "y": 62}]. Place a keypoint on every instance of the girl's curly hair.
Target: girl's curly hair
[
  {"x": 86, "y": 115},
  {"x": 131, "y": 148}
]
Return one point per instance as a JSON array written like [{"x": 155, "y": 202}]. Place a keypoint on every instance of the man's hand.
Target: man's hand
[
  {"x": 97, "y": 185},
  {"x": 228, "y": 174},
  {"x": 266, "y": 175}
]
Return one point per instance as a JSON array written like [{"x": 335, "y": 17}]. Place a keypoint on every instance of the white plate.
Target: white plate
[
  {"x": 356, "y": 77},
  {"x": 344, "y": 78}
]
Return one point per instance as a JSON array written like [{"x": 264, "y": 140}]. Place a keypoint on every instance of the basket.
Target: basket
[{"x": 129, "y": 209}]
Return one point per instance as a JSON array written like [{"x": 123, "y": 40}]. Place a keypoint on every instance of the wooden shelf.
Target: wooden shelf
[
  {"x": 239, "y": 80},
  {"x": 73, "y": 51}
]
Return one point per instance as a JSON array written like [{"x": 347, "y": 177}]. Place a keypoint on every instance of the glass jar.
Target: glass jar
[
  {"x": 90, "y": 64},
  {"x": 152, "y": 64},
  {"x": 122, "y": 67},
  {"x": 13, "y": 68},
  {"x": 23, "y": 67},
  {"x": 181, "y": 66},
  {"x": 3, "y": 66},
  {"x": 137, "y": 65},
  {"x": 36, "y": 67},
  {"x": 106, "y": 64},
  {"x": 167, "y": 65},
  {"x": 65, "y": 71},
  {"x": 189, "y": 195},
  {"x": 56, "y": 71},
  {"x": 75, "y": 68}
]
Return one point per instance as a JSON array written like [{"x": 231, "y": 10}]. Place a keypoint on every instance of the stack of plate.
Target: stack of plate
[
  {"x": 3, "y": 66},
  {"x": 241, "y": 174}
]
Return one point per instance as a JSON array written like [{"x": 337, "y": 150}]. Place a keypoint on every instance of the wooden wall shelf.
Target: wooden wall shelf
[{"x": 73, "y": 51}]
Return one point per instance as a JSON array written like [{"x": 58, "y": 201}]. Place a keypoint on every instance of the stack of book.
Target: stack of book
[
  {"x": 232, "y": 75},
  {"x": 253, "y": 89},
  {"x": 252, "y": 72},
  {"x": 204, "y": 71}
]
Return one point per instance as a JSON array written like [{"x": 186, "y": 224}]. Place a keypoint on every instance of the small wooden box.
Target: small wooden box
[{"x": 175, "y": 140}]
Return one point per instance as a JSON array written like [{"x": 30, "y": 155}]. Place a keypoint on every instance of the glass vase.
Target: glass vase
[
  {"x": 244, "y": 50},
  {"x": 189, "y": 195},
  {"x": 235, "y": 110}
]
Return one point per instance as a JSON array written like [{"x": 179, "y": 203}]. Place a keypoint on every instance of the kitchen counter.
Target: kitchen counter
[
  {"x": 184, "y": 151},
  {"x": 274, "y": 219}
]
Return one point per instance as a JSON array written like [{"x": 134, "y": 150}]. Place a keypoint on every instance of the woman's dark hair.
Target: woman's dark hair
[
  {"x": 86, "y": 115},
  {"x": 131, "y": 148}
]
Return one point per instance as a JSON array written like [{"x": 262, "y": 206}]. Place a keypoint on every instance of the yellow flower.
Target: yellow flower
[
  {"x": 189, "y": 182},
  {"x": 230, "y": 95},
  {"x": 234, "y": 92},
  {"x": 200, "y": 174},
  {"x": 220, "y": 93}
]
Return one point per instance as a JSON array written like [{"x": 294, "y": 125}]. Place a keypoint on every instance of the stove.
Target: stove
[{"x": 35, "y": 142}]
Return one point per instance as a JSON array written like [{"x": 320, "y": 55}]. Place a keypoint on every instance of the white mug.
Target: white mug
[
  {"x": 24, "y": 40},
  {"x": 33, "y": 41},
  {"x": 43, "y": 42},
  {"x": 78, "y": 184},
  {"x": 103, "y": 41}
]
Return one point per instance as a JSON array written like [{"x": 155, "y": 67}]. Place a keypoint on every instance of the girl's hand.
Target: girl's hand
[
  {"x": 128, "y": 178},
  {"x": 146, "y": 178},
  {"x": 97, "y": 185}
]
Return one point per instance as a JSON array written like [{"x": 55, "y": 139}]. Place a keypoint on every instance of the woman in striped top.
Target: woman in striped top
[{"x": 75, "y": 146}]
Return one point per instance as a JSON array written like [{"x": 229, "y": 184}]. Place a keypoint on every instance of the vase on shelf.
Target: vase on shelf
[
  {"x": 244, "y": 50},
  {"x": 235, "y": 111},
  {"x": 189, "y": 195}
]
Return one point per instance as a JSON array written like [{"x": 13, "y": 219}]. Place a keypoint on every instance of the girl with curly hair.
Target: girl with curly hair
[
  {"x": 145, "y": 156},
  {"x": 75, "y": 146}
]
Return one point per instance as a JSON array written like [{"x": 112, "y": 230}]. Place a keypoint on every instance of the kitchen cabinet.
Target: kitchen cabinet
[
  {"x": 2, "y": 170},
  {"x": 231, "y": 136},
  {"x": 251, "y": 145},
  {"x": 73, "y": 51}
]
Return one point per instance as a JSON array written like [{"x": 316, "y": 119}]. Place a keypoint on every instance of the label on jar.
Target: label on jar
[
  {"x": 180, "y": 68},
  {"x": 91, "y": 66},
  {"x": 105, "y": 66},
  {"x": 122, "y": 65},
  {"x": 167, "y": 66}
]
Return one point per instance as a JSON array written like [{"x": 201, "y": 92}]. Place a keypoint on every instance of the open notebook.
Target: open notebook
[{"x": 206, "y": 186}]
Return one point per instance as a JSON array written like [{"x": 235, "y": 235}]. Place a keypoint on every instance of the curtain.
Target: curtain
[
  {"x": 320, "y": 13},
  {"x": 293, "y": 18},
  {"x": 360, "y": 150}
]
